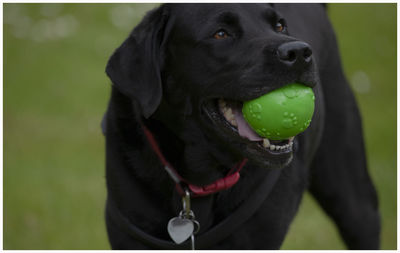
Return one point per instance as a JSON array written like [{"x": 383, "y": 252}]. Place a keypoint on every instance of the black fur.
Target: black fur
[{"x": 166, "y": 76}]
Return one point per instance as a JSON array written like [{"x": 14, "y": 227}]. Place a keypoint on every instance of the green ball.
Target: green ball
[{"x": 281, "y": 113}]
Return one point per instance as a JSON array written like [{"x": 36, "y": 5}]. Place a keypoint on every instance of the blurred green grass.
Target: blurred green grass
[{"x": 55, "y": 93}]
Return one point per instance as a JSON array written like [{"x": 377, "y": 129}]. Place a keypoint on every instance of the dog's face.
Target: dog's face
[{"x": 197, "y": 63}]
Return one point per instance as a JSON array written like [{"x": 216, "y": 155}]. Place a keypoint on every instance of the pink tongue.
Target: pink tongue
[{"x": 244, "y": 128}]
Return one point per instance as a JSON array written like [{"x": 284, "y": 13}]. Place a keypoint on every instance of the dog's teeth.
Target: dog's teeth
[
  {"x": 228, "y": 114},
  {"x": 234, "y": 123},
  {"x": 222, "y": 106},
  {"x": 266, "y": 143},
  {"x": 291, "y": 139}
]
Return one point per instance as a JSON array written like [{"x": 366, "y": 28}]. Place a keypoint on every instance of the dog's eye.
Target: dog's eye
[
  {"x": 220, "y": 34},
  {"x": 280, "y": 26}
]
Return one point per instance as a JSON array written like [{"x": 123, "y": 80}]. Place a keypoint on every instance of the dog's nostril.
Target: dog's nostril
[
  {"x": 307, "y": 53},
  {"x": 295, "y": 53},
  {"x": 291, "y": 56}
]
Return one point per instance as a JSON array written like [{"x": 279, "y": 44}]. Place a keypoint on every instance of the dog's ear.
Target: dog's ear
[{"x": 135, "y": 67}]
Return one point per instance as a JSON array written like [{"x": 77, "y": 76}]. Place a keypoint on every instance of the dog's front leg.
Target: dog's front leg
[{"x": 339, "y": 179}]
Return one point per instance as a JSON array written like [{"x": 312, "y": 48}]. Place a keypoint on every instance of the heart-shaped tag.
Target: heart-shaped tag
[{"x": 180, "y": 229}]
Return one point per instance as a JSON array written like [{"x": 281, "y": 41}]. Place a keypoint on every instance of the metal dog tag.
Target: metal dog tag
[
  {"x": 180, "y": 229},
  {"x": 184, "y": 226}
]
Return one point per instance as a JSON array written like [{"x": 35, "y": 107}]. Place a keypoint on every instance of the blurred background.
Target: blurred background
[{"x": 56, "y": 91}]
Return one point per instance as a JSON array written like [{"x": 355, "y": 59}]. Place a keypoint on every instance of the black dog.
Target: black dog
[{"x": 169, "y": 132}]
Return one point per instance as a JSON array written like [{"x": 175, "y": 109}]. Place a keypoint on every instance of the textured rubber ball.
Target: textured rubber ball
[{"x": 281, "y": 113}]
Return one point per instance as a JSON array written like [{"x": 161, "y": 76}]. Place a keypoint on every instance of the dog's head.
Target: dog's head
[{"x": 191, "y": 66}]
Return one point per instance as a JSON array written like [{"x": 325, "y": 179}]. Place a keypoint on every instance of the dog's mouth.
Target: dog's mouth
[
  {"x": 231, "y": 111},
  {"x": 226, "y": 114}
]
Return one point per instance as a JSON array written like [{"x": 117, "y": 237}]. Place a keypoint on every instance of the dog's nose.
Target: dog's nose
[{"x": 295, "y": 53}]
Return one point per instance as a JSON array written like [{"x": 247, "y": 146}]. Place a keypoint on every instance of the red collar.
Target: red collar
[{"x": 196, "y": 191}]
